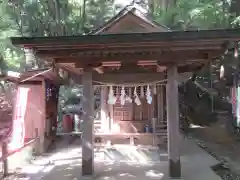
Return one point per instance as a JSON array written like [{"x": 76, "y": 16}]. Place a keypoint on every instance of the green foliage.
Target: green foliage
[
  {"x": 195, "y": 14},
  {"x": 98, "y": 12},
  {"x": 203, "y": 14},
  {"x": 47, "y": 18},
  {"x": 9, "y": 58},
  {"x": 71, "y": 17}
]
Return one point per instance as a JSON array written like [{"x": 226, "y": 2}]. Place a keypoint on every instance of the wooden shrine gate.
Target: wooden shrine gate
[{"x": 132, "y": 58}]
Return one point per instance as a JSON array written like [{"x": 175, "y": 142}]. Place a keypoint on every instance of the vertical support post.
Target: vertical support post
[
  {"x": 131, "y": 139},
  {"x": 88, "y": 122},
  {"x": 237, "y": 81},
  {"x": 37, "y": 146},
  {"x": 154, "y": 114},
  {"x": 104, "y": 111},
  {"x": 173, "y": 123},
  {"x": 42, "y": 139},
  {"x": 5, "y": 161},
  {"x": 160, "y": 100},
  {"x": 111, "y": 121},
  {"x": 154, "y": 130},
  {"x": 211, "y": 84}
]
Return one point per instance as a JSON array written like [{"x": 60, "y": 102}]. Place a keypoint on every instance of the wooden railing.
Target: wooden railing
[{"x": 6, "y": 154}]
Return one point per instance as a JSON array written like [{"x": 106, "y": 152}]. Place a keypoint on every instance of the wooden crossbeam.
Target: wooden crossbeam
[
  {"x": 99, "y": 69},
  {"x": 162, "y": 59},
  {"x": 120, "y": 78}
]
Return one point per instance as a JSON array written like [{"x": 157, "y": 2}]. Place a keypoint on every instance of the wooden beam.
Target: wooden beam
[
  {"x": 130, "y": 47},
  {"x": 32, "y": 82},
  {"x": 97, "y": 49},
  {"x": 190, "y": 67},
  {"x": 130, "y": 78},
  {"x": 209, "y": 37},
  {"x": 126, "y": 77},
  {"x": 129, "y": 67},
  {"x": 147, "y": 63},
  {"x": 88, "y": 58},
  {"x": 120, "y": 78},
  {"x": 112, "y": 64},
  {"x": 160, "y": 68},
  {"x": 174, "y": 136},
  {"x": 99, "y": 70},
  {"x": 162, "y": 58},
  {"x": 88, "y": 121}
]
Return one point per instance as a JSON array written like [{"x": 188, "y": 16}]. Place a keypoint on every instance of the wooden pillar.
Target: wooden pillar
[
  {"x": 41, "y": 130},
  {"x": 155, "y": 113},
  {"x": 173, "y": 123},
  {"x": 104, "y": 110},
  {"x": 110, "y": 116},
  {"x": 5, "y": 161},
  {"x": 88, "y": 122},
  {"x": 160, "y": 101},
  {"x": 37, "y": 149}
]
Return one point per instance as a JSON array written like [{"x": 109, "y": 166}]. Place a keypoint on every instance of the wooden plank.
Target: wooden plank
[
  {"x": 173, "y": 123},
  {"x": 155, "y": 48},
  {"x": 124, "y": 134},
  {"x": 88, "y": 125},
  {"x": 121, "y": 78},
  {"x": 83, "y": 59}
]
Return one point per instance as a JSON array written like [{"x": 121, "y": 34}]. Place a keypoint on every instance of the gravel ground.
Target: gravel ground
[
  {"x": 218, "y": 141},
  {"x": 227, "y": 168}
]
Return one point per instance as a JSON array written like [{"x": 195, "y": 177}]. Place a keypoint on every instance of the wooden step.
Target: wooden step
[
  {"x": 161, "y": 133},
  {"x": 97, "y": 122},
  {"x": 161, "y": 130},
  {"x": 161, "y": 125}
]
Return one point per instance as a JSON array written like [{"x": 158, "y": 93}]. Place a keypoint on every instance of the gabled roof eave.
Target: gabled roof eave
[{"x": 133, "y": 10}]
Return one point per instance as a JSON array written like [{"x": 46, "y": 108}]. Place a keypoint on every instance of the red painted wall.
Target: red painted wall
[
  {"x": 28, "y": 114},
  {"x": 35, "y": 111}
]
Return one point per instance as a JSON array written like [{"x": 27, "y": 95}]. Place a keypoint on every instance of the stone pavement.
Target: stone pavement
[
  {"x": 197, "y": 163},
  {"x": 122, "y": 162}
]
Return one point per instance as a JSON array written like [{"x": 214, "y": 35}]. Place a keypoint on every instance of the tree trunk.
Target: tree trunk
[
  {"x": 171, "y": 3},
  {"x": 83, "y": 15},
  {"x": 157, "y": 4},
  {"x": 59, "y": 30}
]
